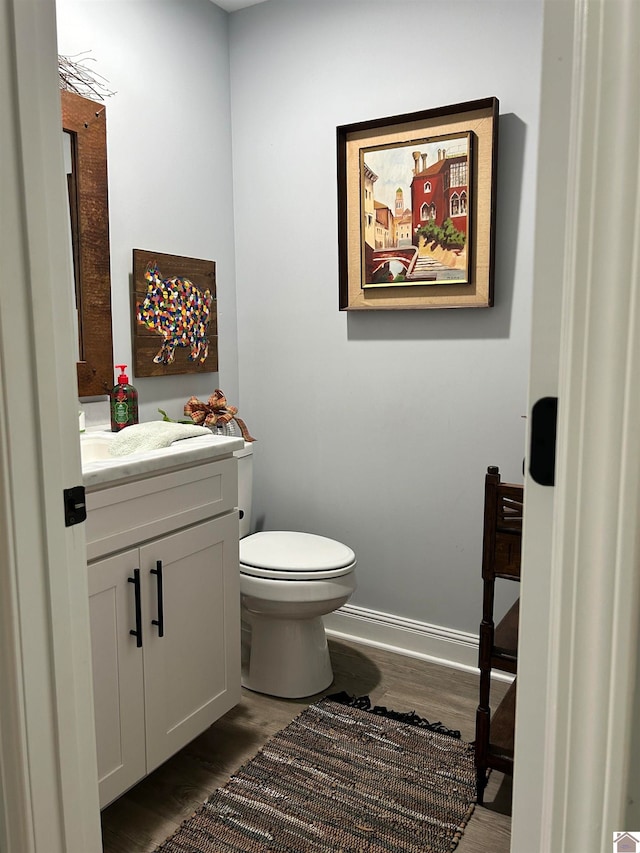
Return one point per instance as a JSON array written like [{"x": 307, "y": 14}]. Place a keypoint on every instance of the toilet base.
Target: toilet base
[{"x": 284, "y": 657}]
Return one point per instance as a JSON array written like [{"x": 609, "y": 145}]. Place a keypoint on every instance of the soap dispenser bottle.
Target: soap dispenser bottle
[{"x": 124, "y": 402}]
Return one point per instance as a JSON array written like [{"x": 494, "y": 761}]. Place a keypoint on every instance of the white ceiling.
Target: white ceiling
[{"x": 232, "y": 5}]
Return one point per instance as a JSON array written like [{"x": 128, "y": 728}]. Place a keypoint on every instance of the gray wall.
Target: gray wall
[{"x": 377, "y": 428}]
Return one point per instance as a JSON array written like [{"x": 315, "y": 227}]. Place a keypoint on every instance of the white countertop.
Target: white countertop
[{"x": 112, "y": 470}]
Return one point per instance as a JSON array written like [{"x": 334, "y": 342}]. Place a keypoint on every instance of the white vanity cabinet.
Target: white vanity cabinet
[{"x": 164, "y": 612}]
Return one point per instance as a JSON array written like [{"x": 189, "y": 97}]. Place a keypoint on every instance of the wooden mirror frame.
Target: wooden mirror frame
[{"x": 85, "y": 121}]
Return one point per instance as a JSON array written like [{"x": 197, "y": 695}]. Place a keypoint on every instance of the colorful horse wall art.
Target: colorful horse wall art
[{"x": 178, "y": 311}]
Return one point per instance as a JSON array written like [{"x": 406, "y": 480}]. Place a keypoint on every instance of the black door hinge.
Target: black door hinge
[{"x": 75, "y": 506}]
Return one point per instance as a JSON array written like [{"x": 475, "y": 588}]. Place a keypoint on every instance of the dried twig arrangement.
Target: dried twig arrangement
[{"x": 75, "y": 77}]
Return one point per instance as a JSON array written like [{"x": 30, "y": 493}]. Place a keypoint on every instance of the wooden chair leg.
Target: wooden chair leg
[
  {"x": 481, "y": 784},
  {"x": 483, "y": 716}
]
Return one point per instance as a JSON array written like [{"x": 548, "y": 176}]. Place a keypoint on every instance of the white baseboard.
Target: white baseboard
[{"x": 444, "y": 646}]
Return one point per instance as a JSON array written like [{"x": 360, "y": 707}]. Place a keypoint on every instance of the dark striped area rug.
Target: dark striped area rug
[{"x": 341, "y": 779}]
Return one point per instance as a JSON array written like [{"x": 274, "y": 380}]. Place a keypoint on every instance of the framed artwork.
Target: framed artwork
[
  {"x": 416, "y": 209},
  {"x": 175, "y": 326}
]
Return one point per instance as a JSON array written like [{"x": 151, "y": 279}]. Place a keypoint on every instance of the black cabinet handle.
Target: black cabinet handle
[
  {"x": 135, "y": 580},
  {"x": 160, "y": 620}
]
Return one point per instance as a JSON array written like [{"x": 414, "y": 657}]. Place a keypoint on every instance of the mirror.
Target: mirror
[{"x": 85, "y": 122}]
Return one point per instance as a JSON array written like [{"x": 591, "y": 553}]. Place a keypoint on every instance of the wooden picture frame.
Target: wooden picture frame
[
  {"x": 85, "y": 121},
  {"x": 175, "y": 324},
  {"x": 416, "y": 209}
]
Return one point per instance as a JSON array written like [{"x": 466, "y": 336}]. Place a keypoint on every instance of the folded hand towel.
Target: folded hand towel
[{"x": 151, "y": 436}]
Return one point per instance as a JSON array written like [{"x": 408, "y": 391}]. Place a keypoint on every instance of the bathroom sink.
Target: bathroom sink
[
  {"x": 101, "y": 469},
  {"x": 94, "y": 447}
]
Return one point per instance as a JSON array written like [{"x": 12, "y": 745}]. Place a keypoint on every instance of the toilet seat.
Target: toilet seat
[{"x": 287, "y": 555}]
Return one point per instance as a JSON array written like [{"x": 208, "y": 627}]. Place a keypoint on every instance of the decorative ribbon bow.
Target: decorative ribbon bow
[{"x": 215, "y": 411}]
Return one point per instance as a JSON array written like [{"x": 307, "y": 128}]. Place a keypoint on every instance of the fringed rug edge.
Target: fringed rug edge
[{"x": 410, "y": 717}]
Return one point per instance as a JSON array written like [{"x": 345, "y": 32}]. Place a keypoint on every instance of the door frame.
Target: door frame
[
  {"x": 580, "y": 589},
  {"x": 579, "y": 606},
  {"x": 48, "y": 772}
]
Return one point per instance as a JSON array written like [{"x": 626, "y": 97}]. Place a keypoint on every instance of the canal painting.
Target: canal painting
[{"x": 415, "y": 212}]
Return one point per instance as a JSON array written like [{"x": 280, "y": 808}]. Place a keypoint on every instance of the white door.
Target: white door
[
  {"x": 192, "y": 657},
  {"x": 118, "y": 689},
  {"x": 580, "y": 597}
]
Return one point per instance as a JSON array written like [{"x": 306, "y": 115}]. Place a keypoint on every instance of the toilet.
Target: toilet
[{"x": 288, "y": 582}]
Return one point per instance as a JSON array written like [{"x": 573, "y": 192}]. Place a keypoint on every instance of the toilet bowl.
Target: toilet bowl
[{"x": 288, "y": 581}]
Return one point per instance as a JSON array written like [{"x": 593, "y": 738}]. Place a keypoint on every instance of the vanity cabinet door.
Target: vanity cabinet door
[
  {"x": 117, "y": 675},
  {"x": 192, "y": 671}
]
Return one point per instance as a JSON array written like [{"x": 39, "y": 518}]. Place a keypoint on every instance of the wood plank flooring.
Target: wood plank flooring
[{"x": 148, "y": 813}]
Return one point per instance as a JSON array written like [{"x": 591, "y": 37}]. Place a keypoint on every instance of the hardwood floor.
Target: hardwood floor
[{"x": 148, "y": 813}]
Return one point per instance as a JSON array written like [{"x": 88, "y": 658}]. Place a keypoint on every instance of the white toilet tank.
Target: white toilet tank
[{"x": 245, "y": 486}]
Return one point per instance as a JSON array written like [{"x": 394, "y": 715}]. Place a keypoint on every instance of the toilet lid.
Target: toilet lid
[{"x": 288, "y": 551}]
